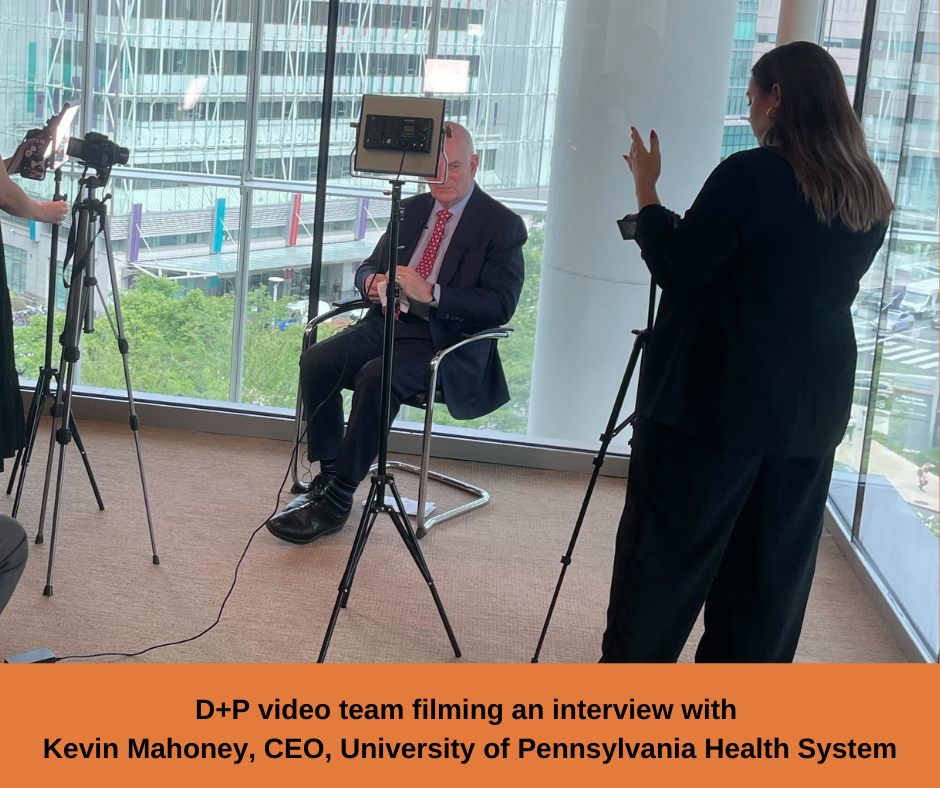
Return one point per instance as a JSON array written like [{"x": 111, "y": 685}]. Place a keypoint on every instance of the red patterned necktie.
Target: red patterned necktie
[{"x": 426, "y": 264}]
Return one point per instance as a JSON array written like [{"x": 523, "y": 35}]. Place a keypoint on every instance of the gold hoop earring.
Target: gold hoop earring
[{"x": 772, "y": 113}]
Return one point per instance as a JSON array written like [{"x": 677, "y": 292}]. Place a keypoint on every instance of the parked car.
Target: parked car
[
  {"x": 863, "y": 386},
  {"x": 899, "y": 321}
]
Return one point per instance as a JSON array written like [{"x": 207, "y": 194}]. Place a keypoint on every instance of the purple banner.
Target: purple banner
[
  {"x": 363, "y": 218},
  {"x": 137, "y": 212}
]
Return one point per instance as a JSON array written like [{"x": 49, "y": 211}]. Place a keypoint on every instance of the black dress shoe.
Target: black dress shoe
[
  {"x": 306, "y": 523},
  {"x": 317, "y": 488}
]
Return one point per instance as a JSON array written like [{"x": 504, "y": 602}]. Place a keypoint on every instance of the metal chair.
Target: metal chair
[{"x": 426, "y": 400}]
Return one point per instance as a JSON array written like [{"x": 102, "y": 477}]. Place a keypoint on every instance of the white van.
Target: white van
[{"x": 922, "y": 299}]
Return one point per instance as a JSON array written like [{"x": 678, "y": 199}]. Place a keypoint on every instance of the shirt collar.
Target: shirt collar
[{"x": 457, "y": 209}]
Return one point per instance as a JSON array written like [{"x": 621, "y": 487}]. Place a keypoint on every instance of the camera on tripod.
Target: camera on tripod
[{"x": 99, "y": 153}]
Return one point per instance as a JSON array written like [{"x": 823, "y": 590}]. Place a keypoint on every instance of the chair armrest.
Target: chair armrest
[
  {"x": 348, "y": 303},
  {"x": 502, "y": 332},
  {"x": 339, "y": 307}
]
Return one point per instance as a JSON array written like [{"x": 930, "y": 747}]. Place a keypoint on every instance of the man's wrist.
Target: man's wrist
[{"x": 426, "y": 294}]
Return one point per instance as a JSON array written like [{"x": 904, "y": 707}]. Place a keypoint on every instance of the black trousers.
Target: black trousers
[
  {"x": 353, "y": 359},
  {"x": 734, "y": 532},
  {"x": 13, "y": 554}
]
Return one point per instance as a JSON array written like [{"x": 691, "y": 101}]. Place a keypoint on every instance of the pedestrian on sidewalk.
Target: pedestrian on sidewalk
[{"x": 922, "y": 474}]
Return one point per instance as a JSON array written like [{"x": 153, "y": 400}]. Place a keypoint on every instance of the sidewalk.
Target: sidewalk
[{"x": 902, "y": 473}]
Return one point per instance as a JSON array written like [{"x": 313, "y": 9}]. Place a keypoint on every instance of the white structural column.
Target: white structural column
[
  {"x": 799, "y": 20},
  {"x": 661, "y": 64}
]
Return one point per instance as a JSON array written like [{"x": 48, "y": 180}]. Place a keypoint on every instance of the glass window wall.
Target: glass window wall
[
  {"x": 886, "y": 482},
  {"x": 212, "y": 219}
]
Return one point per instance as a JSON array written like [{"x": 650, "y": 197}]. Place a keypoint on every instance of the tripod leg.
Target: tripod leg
[
  {"x": 47, "y": 591},
  {"x": 35, "y": 411},
  {"x": 76, "y": 308},
  {"x": 21, "y": 452},
  {"x": 16, "y": 465},
  {"x": 608, "y": 436},
  {"x": 26, "y": 452},
  {"x": 81, "y": 450},
  {"x": 73, "y": 306},
  {"x": 49, "y": 459},
  {"x": 134, "y": 421},
  {"x": 360, "y": 545},
  {"x": 365, "y": 527},
  {"x": 400, "y": 518}
]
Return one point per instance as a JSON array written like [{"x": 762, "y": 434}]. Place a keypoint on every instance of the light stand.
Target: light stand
[
  {"x": 89, "y": 219},
  {"x": 612, "y": 431},
  {"x": 43, "y": 390},
  {"x": 382, "y": 479}
]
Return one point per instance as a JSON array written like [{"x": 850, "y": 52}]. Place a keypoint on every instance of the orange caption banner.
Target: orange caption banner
[{"x": 794, "y": 725}]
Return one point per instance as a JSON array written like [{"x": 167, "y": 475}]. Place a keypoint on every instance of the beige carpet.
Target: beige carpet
[{"x": 495, "y": 568}]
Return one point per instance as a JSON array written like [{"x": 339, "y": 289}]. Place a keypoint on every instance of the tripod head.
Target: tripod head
[{"x": 96, "y": 181}]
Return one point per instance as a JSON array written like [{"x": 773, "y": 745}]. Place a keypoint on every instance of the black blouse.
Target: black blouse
[
  {"x": 12, "y": 421},
  {"x": 754, "y": 346}
]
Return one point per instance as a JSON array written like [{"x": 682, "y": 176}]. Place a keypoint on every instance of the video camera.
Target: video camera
[
  {"x": 97, "y": 151},
  {"x": 41, "y": 145}
]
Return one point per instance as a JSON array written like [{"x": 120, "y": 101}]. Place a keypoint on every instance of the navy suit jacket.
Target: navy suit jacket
[{"x": 480, "y": 282}]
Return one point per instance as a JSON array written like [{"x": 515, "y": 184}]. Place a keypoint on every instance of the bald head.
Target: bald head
[
  {"x": 462, "y": 165},
  {"x": 460, "y": 138}
]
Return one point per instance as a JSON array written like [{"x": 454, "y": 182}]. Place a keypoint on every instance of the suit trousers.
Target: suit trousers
[
  {"x": 13, "y": 553},
  {"x": 352, "y": 359},
  {"x": 738, "y": 533}
]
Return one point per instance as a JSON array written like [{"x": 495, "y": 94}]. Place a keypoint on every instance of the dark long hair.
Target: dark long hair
[{"x": 817, "y": 130}]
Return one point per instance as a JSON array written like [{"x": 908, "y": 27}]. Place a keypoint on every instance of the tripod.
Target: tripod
[
  {"x": 89, "y": 220},
  {"x": 382, "y": 479},
  {"x": 612, "y": 431},
  {"x": 43, "y": 391}
]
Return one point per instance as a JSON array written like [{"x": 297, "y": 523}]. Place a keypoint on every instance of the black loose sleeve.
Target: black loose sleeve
[{"x": 687, "y": 254}]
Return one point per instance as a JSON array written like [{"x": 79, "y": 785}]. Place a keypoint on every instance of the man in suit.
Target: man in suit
[{"x": 461, "y": 271}]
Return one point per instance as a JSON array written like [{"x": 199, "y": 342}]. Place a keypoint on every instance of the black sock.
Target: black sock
[
  {"x": 339, "y": 495},
  {"x": 328, "y": 468}
]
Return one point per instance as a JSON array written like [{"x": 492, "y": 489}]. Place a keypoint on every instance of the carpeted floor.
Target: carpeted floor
[{"x": 495, "y": 568}]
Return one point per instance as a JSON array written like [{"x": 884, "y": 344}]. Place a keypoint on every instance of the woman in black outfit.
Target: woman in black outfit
[
  {"x": 12, "y": 423},
  {"x": 748, "y": 378},
  {"x": 16, "y": 202}
]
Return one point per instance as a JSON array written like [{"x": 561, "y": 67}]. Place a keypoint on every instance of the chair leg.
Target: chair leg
[
  {"x": 423, "y": 471},
  {"x": 421, "y": 530},
  {"x": 480, "y": 496}
]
